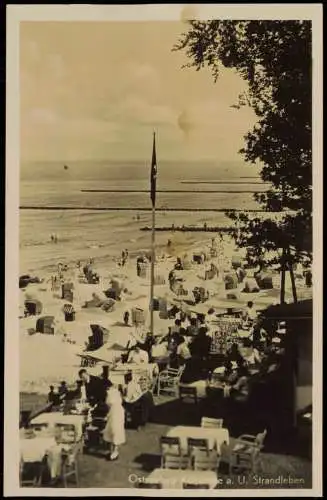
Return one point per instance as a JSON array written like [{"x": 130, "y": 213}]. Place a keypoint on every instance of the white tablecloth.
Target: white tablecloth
[
  {"x": 174, "y": 479},
  {"x": 35, "y": 449},
  {"x": 215, "y": 437},
  {"x": 55, "y": 418}
]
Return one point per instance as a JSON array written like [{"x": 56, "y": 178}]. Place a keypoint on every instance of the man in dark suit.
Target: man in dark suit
[{"x": 94, "y": 387}]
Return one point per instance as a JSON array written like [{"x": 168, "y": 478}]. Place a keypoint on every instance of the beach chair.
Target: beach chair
[
  {"x": 33, "y": 307},
  {"x": 45, "y": 325},
  {"x": 171, "y": 453},
  {"x": 212, "y": 423},
  {"x": 69, "y": 312}
]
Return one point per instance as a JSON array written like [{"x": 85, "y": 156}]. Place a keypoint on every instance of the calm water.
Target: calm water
[{"x": 103, "y": 235}]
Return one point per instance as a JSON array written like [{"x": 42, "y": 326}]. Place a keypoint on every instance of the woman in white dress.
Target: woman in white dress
[{"x": 114, "y": 431}]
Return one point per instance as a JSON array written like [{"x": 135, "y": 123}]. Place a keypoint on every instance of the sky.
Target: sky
[{"x": 97, "y": 90}]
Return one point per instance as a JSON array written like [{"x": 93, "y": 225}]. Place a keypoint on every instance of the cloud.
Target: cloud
[{"x": 96, "y": 88}]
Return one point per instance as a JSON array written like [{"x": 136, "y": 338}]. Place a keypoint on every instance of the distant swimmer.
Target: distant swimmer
[
  {"x": 137, "y": 217},
  {"x": 66, "y": 167}
]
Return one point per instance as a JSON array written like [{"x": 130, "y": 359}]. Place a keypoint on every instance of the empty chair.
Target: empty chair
[
  {"x": 67, "y": 291},
  {"x": 246, "y": 453},
  {"x": 45, "y": 325},
  {"x": 155, "y": 304},
  {"x": 171, "y": 453},
  {"x": 169, "y": 379},
  {"x": 212, "y": 423},
  {"x": 69, "y": 312},
  {"x": 33, "y": 307},
  {"x": 31, "y": 473},
  {"x": 187, "y": 392},
  {"x": 69, "y": 465},
  {"x": 200, "y": 456},
  {"x": 138, "y": 316},
  {"x": 66, "y": 433}
]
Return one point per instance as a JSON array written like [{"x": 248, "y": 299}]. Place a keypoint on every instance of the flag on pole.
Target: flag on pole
[{"x": 153, "y": 171}]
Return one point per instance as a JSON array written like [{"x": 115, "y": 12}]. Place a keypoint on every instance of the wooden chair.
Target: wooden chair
[
  {"x": 194, "y": 486},
  {"x": 187, "y": 392},
  {"x": 171, "y": 453},
  {"x": 257, "y": 440},
  {"x": 212, "y": 423},
  {"x": 31, "y": 473},
  {"x": 169, "y": 379},
  {"x": 66, "y": 433},
  {"x": 246, "y": 453},
  {"x": 150, "y": 486},
  {"x": 200, "y": 456},
  {"x": 69, "y": 464}
]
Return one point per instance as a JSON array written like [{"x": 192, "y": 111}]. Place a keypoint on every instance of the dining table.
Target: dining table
[
  {"x": 52, "y": 420},
  {"x": 40, "y": 448},
  {"x": 215, "y": 436},
  {"x": 175, "y": 478}
]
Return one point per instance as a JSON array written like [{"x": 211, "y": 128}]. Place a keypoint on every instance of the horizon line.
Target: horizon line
[{"x": 121, "y": 160}]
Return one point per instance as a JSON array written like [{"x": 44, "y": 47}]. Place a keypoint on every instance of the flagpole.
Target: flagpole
[
  {"x": 153, "y": 257},
  {"x": 153, "y": 232}
]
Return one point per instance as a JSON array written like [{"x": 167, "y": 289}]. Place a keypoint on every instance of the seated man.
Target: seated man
[
  {"x": 137, "y": 403},
  {"x": 138, "y": 356},
  {"x": 250, "y": 314}
]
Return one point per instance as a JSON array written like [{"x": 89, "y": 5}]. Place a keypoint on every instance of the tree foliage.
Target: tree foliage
[{"x": 274, "y": 57}]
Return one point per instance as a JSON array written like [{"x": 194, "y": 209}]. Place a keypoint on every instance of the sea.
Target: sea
[{"x": 102, "y": 235}]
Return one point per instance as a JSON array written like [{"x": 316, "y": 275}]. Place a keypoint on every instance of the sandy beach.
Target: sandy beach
[{"x": 58, "y": 355}]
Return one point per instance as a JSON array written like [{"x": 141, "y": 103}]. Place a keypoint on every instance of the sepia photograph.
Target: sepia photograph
[{"x": 163, "y": 249}]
